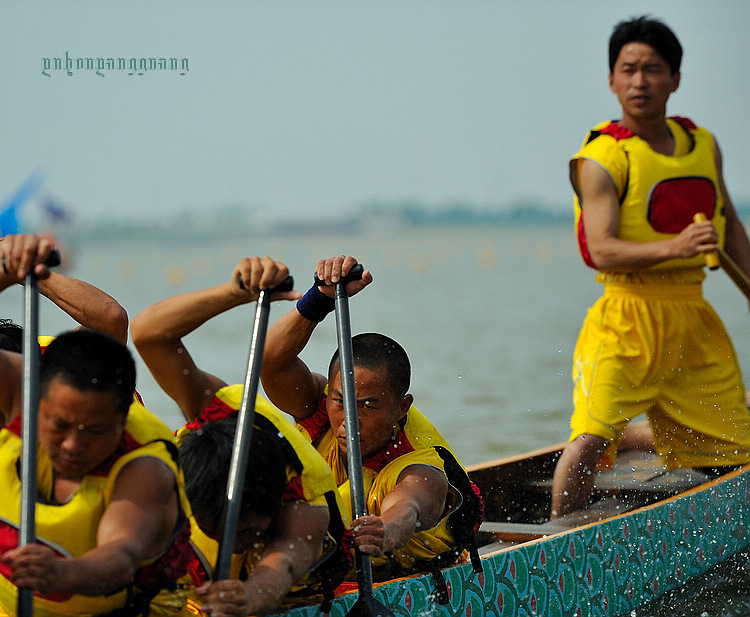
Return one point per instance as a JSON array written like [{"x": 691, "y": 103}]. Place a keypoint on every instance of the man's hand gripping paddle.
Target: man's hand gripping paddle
[
  {"x": 29, "y": 421},
  {"x": 721, "y": 258},
  {"x": 243, "y": 436},
  {"x": 366, "y": 605}
]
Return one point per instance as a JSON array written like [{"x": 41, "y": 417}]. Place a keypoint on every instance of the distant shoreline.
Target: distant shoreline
[{"x": 250, "y": 221}]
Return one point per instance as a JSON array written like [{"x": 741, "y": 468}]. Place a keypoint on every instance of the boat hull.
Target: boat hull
[{"x": 604, "y": 568}]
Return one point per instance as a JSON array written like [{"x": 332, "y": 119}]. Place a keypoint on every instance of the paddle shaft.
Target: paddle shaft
[
  {"x": 366, "y": 605},
  {"x": 712, "y": 258},
  {"x": 243, "y": 438},
  {"x": 735, "y": 273},
  {"x": 29, "y": 429},
  {"x": 721, "y": 258},
  {"x": 244, "y": 434},
  {"x": 29, "y": 423},
  {"x": 351, "y": 422}
]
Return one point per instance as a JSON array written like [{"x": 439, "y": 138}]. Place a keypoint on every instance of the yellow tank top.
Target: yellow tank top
[
  {"x": 70, "y": 528},
  {"x": 659, "y": 194},
  {"x": 414, "y": 445},
  {"x": 315, "y": 480}
]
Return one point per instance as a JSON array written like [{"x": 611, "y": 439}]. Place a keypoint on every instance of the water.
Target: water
[
  {"x": 720, "y": 593},
  {"x": 488, "y": 315}
]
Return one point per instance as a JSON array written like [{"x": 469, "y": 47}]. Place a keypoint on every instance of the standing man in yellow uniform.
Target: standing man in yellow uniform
[{"x": 652, "y": 344}]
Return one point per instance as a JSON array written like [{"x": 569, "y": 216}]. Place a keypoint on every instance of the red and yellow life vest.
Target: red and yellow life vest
[
  {"x": 309, "y": 480},
  {"x": 70, "y": 528},
  {"x": 659, "y": 194},
  {"x": 417, "y": 442}
]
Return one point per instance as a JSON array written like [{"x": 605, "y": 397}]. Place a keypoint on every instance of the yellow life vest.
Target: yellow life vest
[
  {"x": 417, "y": 442},
  {"x": 309, "y": 480},
  {"x": 659, "y": 194},
  {"x": 70, "y": 528}
]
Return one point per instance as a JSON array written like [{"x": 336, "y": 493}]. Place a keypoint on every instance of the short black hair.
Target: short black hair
[
  {"x": 89, "y": 361},
  {"x": 373, "y": 350},
  {"x": 650, "y": 31},
  {"x": 11, "y": 336},
  {"x": 206, "y": 455}
]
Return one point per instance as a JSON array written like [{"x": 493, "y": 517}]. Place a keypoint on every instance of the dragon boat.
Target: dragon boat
[{"x": 646, "y": 532}]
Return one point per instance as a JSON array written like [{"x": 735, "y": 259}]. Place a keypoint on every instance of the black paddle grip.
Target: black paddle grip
[
  {"x": 286, "y": 285},
  {"x": 354, "y": 275},
  {"x": 53, "y": 259}
]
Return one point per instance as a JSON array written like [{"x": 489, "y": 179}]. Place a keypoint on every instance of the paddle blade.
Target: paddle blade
[{"x": 367, "y": 606}]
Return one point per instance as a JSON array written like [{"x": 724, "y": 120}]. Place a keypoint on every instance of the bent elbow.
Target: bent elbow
[
  {"x": 140, "y": 331},
  {"x": 119, "y": 322},
  {"x": 602, "y": 258}
]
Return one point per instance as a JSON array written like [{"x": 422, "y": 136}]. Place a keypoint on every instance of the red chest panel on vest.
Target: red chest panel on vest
[{"x": 673, "y": 203}]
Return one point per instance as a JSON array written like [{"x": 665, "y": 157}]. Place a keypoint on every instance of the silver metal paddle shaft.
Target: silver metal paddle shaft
[
  {"x": 29, "y": 429},
  {"x": 366, "y": 605},
  {"x": 351, "y": 421},
  {"x": 243, "y": 438}
]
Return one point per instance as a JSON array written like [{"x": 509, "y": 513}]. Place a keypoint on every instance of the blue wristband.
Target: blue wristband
[{"x": 315, "y": 305}]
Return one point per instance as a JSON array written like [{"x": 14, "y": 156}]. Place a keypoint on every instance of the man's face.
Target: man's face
[
  {"x": 378, "y": 409},
  {"x": 79, "y": 430},
  {"x": 642, "y": 81}
]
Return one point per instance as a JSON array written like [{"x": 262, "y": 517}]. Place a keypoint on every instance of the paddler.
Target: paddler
[
  {"x": 111, "y": 517},
  {"x": 423, "y": 510},
  {"x": 291, "y": 520}
]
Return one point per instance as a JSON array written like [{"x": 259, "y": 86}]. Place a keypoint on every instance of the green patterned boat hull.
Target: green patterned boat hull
[{"x": 608, "y": 568}]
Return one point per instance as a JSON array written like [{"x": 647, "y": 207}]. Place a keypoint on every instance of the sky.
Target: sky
[{"x": 311, "y": 109}]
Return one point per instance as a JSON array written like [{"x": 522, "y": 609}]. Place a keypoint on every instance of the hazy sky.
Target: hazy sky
[{"x": 307, "y": 107}]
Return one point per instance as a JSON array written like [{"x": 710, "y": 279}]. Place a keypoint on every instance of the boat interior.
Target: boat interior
[{"x": 517, "y": 494}]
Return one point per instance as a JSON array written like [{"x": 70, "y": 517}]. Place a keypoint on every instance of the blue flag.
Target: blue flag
[{"x": 9, "y": 210}]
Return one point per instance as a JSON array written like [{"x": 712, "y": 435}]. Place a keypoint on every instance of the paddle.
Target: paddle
[
  {"x": 721, "y": 258},
  {"x": 712, "y": 258},
  {"x": 30, "y": 400},
  {"x": 733, "y": 270},
  {"x": 244, "y": 435},
  {"x": 366, "y": 605}
]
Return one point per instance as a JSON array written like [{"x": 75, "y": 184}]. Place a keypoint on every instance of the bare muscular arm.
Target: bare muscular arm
[
  {"x": 294, "y": 549},
  {"x": 159, "y": 329},
  {"x": 416, "y": 503},
  {"x": 135, "y": 527},
  {"x": 601, "y": 219}
]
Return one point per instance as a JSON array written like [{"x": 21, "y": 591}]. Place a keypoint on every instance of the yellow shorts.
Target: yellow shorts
[{"x": 663, "y": 351}]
